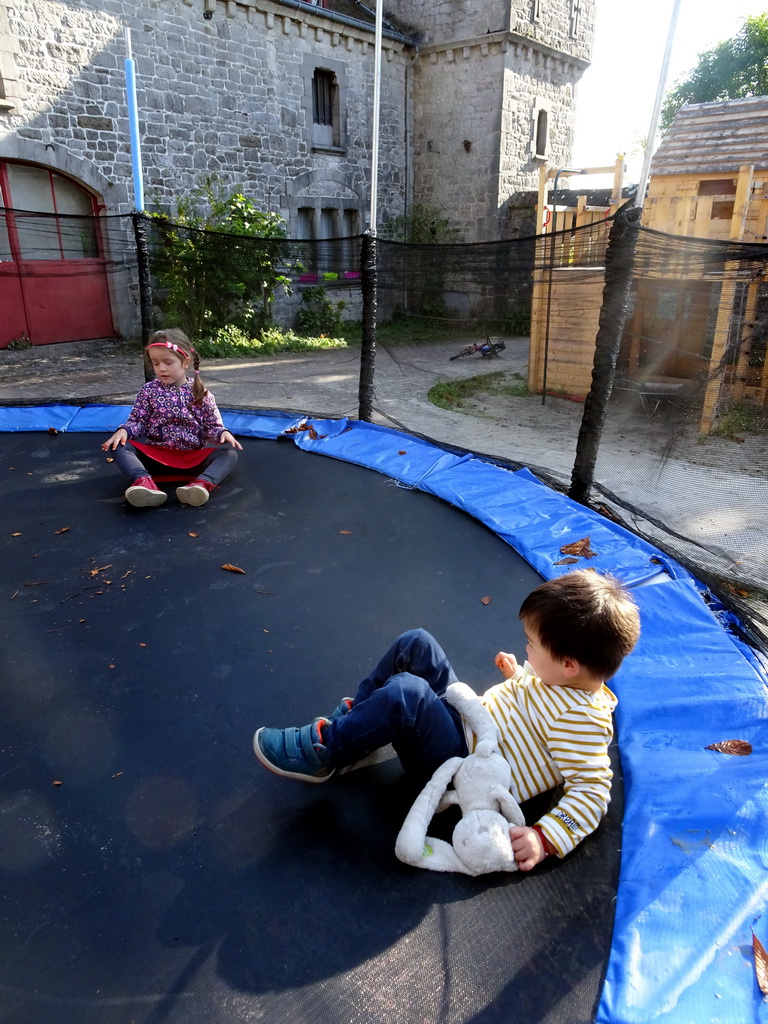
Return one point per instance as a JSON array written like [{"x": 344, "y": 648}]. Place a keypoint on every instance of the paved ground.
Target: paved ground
[{"x": 320, "y": 383}]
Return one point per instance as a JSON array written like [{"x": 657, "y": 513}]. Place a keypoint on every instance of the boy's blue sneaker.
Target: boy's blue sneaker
[
  {"x": 343, "y": 708},
  {"x": 295, "y": 753}
]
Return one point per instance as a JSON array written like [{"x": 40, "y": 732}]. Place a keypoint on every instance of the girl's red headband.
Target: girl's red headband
[{"x": 167, "y": 344}]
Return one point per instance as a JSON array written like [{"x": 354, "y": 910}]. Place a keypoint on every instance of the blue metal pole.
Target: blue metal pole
[{"x": 133, "y": 122}]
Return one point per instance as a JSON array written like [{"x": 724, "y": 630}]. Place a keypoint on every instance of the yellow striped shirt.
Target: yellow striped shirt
[{"x": 552, "y": 735}]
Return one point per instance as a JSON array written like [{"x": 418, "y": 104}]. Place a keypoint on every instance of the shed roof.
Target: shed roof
[{"x": 720, "y": 137}]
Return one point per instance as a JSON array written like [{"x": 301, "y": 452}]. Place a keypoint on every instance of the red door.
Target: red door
[{"x": 53, "y": 282}]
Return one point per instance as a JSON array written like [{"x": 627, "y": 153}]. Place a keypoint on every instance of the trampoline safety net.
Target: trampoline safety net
[{"x": 672, "y": 412}]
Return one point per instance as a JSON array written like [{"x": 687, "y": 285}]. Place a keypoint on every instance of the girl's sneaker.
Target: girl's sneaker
[
  {"x": 196, "y": 493},
  {"x": 144, "y": 492}
]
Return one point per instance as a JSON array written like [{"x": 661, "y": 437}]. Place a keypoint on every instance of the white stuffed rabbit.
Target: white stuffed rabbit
[{"x": 481, "y": 788}]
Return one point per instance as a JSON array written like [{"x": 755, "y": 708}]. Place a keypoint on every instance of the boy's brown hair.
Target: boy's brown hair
[{"x": 586, "y": 616}]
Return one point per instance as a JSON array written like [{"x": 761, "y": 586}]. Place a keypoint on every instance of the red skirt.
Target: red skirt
[{"x": 173, "y": 457}]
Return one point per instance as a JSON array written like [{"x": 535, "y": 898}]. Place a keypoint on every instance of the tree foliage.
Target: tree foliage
[
  {"x": 734, "y": 69},
  {"x": 424, "y": 224},
  {"x": 218, "y": 261}
]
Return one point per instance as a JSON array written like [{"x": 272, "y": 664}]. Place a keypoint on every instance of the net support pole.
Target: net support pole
[
  {"x": 619, "y": 265},
  {"x": 368, "y": 284},
  {"x": 133, "y": 125},
  {"x": 145, "y": 279}
]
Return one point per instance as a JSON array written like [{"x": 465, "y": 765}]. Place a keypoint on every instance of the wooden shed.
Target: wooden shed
[
  {"x": 568, "y": 280},
  {"x": 709, "y": 179}
]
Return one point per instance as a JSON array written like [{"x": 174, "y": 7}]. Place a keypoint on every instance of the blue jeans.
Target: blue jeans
[{"x": 402, "y": 702}]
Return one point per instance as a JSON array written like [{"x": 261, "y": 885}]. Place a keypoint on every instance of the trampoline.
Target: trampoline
[{"x": 154, "y": 872}]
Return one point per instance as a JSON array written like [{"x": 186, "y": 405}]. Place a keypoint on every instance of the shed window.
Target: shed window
[{"x": 718, "y": 187}]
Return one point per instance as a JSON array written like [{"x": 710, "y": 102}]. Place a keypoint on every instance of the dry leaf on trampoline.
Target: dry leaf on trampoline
[
  {"x": 738, "y": 747},
  {"x": 579, "y": 547},
  {"x": 761, "y": 964}
]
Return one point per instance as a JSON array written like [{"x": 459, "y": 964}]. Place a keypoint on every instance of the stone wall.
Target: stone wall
[
  {"x": 229, "y": 95},
  {"x": 484, "y": 78},
  {"x": 224, "y": 96},
  {"x": 224, "y": 88}
]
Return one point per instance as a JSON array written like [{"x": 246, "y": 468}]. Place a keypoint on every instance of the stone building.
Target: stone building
[{"x": 275, "y": 98}]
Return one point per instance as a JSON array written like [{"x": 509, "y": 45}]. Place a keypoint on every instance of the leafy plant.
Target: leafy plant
[
  {"x": 234, "y": 342},
  {"x": 517, "y": 321},
  {"x": 317, "y": 314},
  {"x": 20, "y": 343},
  {"x": 218, "y": 260},
  {"x": 423, "y": 223}
]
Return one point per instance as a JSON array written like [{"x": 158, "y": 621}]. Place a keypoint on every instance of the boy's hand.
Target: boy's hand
[
  {"x": 527, "y": 846},
  {"x": 506, "y": 664},
  {"x": 227, "y": 438},
  {"x": 120, "y": 436}
]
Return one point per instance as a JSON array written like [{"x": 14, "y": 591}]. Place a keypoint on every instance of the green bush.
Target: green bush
[
  {"x": 233, "y": 342},
  {"x": 217, "y": 261},
  {"x": 317, "y": 314},
  {"x": 517, "y": 321}
]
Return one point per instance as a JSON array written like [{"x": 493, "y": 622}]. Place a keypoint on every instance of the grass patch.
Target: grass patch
[
  {"x": 743, "y": 418},
  {"x": 453, "y": 394},
  {"x": 232, "y": 342}
]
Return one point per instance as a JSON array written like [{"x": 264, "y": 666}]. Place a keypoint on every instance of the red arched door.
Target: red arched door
[{"x": 53, "y": 282}]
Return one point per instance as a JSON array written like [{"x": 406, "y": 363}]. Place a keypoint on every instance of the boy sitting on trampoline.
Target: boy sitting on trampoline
[{"x": 553, "y": 713}]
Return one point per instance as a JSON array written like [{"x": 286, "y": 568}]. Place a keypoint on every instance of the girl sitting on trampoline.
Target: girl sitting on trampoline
[
  {"x": 553, "y": 713},
  {"x": 174, "y": 424}
]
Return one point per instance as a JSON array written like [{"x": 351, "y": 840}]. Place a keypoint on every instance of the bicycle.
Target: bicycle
[{"x": 487, "y": 349}]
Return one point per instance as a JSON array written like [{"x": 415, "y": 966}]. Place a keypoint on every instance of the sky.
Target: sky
[{"x": 616, "y": 95}]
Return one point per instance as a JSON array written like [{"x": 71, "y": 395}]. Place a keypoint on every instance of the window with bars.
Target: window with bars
[
  {"x": 323, "y": 90},
  {"x": 324, "y": 99}
]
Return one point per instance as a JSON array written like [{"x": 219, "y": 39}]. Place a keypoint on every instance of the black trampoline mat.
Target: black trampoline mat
[{"x": 152, "y": 871}]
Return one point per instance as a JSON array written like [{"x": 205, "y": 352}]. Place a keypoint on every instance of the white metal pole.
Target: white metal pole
[
  {"x": 375, "y": 130},
  {"x": 646, "y": 169},
  {"x": 133, "y": 123}
]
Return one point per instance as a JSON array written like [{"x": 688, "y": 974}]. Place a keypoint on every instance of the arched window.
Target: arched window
[{"x": 48, "y": 216}]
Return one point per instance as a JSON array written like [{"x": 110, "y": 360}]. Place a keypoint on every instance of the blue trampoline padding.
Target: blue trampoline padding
[
  {"x": 695, "y": 835},
  {"x": 37, "y": 417},
  {"x": 528, "y": 515},
  {"x": 693, "y": 874}
]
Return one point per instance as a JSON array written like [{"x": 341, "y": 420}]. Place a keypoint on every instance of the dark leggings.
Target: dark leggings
[{"x": 133, "y": 464}]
